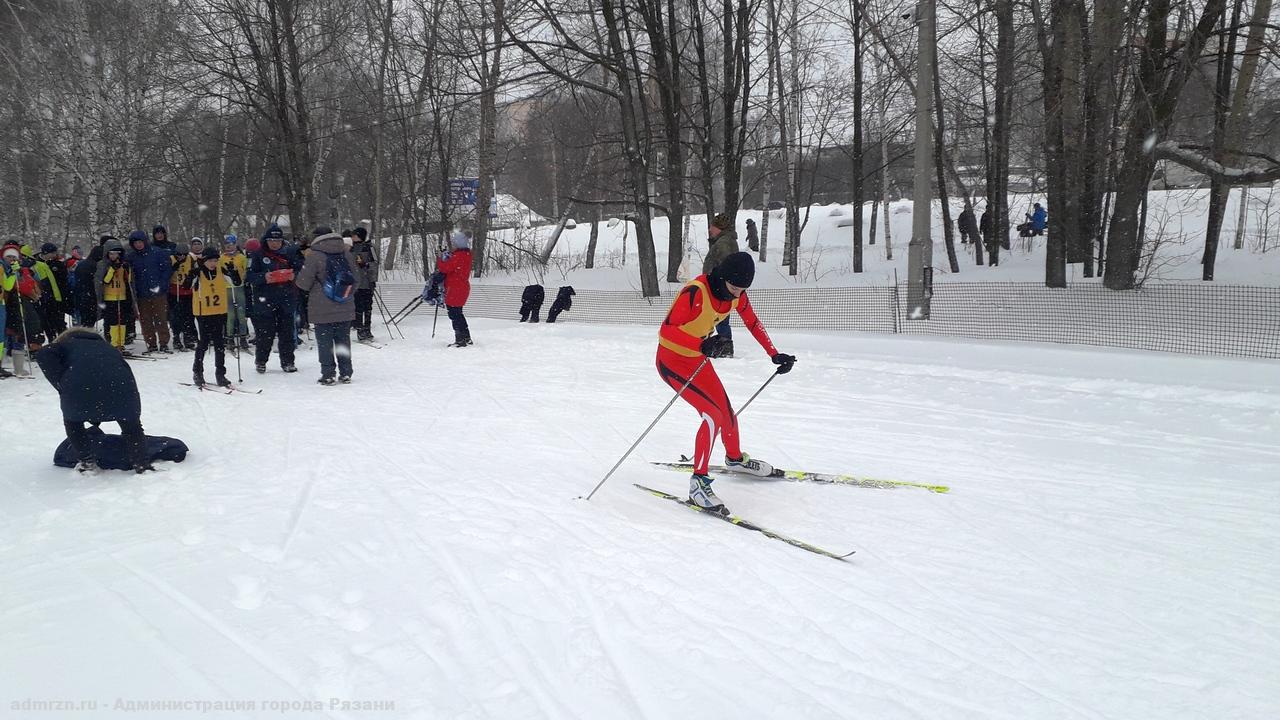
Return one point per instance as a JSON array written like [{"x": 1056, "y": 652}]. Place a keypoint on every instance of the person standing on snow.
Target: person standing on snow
[
  {"x": 210, "y": 285},
  {"x": 723, "y": 241},
  {"x": 329, "y": 279},
  {"x": 233, "y": 259},
  {"x": 456, "y": 267},
  {"x": 271, "y": 273},
  {"x": 151, "y": 272},
  {"x": 701, "y": 305},
  {"x": 367, "y": 283}
]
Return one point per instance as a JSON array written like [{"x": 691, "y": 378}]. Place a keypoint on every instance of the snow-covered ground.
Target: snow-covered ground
[
  {"x": 1177, "y": 217},
  {"x": 1107, "y": 550}
]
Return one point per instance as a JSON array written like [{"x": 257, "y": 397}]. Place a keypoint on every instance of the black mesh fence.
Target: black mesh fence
[{"x": 1208, "y": 319}]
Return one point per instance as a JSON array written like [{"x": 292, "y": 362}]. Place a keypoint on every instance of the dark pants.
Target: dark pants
[
  {"x": 52, "y": 319},
  {"x": 461, "y": 333},
  {"x": 212, "y": 333},
  {"x": 364, "y": 310},
  {"x": 331, "y": 339},
  {"x": 274, "y": 321},
  {"x": 182, "y": 324},
  {"x": 131, "y": 430},
  {"x": 529, "y": 310},
  {"x": 724, "y": 331}
]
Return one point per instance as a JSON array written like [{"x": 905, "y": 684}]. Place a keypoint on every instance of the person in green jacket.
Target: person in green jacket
[{"x": 52, "y": 273}]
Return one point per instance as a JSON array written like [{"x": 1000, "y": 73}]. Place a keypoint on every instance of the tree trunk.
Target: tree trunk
[
  {"x": 1218, "y": 188},
  {"x": 998, "y": 192},
  {"x": 857, "y": 139},
  {"x": 1155, "y": 95},
  {"x": 595, "y": 237},
  {"x": 939, "y": 150}
]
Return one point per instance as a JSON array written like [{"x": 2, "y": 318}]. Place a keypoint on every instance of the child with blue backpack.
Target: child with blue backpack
[{"x": 328, "y": 278}]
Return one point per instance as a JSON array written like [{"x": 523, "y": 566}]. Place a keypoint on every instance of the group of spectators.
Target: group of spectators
[{"x": 155, "y": 297}]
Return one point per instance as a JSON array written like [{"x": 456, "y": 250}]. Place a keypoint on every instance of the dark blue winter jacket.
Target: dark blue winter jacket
[
  {"x": 152, "y": 267},
  {"x": 93, "y": 381},
  {"x": 272, "y": 274}
]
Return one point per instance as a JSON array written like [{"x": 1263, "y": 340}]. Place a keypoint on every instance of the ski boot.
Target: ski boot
[
  {"x": 701, "y": 494},
  {"x": 222, "y": 381},
  {"x": 197, "y": 378},
  {"x": 748, "y": 466}
]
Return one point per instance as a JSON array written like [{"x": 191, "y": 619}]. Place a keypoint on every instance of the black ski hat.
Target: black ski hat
[
  {"x": 210, "y": 253},
  {"x": 737, "y": 269},
  {"x": 361, "y": 233},
  {"x": 47, "y": 248}
]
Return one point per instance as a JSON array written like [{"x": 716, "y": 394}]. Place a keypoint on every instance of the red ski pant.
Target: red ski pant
[{"x": 707, "y": 396}]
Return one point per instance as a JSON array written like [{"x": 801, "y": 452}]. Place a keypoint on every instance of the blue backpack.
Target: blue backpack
[{"x": 339, "y": 281}]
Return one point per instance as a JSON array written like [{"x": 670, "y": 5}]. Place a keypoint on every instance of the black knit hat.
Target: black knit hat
[
  {"x": 361, "y": 233},
  {"x": 47, "y": 248},
  {"x": 210, "y": 253},
  {"x": 737, "y": 269}
]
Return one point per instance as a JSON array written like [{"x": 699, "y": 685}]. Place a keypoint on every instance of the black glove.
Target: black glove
[
  {"x": 711, "y": 346},
  {"x": 784, "y": 362}
]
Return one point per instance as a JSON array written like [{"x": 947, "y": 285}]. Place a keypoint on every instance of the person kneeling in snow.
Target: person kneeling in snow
[
  {"x": 95, "y": 385},
  {"x": 683, "y": 341}
]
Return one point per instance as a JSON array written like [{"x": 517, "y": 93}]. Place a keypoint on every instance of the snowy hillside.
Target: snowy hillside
[
  {"x": 1177, "y": 216},
  {"x": 1107, "y": 549}
]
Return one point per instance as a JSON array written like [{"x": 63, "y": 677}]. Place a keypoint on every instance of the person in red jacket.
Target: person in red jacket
[
  {"x": 703, "y": 303},
  {"x": 456, "y": 267}
]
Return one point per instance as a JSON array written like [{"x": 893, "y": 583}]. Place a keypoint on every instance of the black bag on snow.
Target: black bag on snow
[
  {"x": 564, "y": 301},
  {"x": 531, "y": 303},
  {"x": 113, "y": 454}
]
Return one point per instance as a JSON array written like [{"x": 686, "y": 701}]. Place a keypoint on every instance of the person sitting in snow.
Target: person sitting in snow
[{"x": 684, "y": 363}]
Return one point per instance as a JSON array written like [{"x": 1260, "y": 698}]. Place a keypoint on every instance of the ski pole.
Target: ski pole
[
  {"x": 753, "y": 397},
  {"x": 651, "y": 426},
  {"x": 434, "y": 321}
]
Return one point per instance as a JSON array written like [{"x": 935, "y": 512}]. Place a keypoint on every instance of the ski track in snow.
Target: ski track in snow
[{"x": 1106, "y": 550}]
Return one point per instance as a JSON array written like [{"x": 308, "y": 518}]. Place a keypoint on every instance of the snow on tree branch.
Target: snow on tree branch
[{"x": 1188, "y": 156}]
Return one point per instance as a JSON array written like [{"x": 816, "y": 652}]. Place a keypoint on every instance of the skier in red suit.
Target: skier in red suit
[{"x": 703, "y": 303}]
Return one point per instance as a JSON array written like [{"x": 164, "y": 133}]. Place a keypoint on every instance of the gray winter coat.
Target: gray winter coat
[
  {"x": 721, "y": 248},
  {"x": 320, "y": 309},
  {"x": 366, "y": 274}
]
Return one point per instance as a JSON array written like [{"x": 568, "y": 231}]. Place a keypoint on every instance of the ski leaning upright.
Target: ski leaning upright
[{"x": 746, "y": 524}]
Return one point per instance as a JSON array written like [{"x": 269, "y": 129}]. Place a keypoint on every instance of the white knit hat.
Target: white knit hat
[{"x": 461, "y": 241}]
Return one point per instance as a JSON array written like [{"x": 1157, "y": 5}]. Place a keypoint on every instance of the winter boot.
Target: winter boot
[
  {"x": 290, "y": 368},
  {"x": 260, "y": 367},
  {"x": 20, "y": 363},
  {"x": 344, "y": 379},
  {"x": 701, "y": 494},
  {"x": 327, "y": 380},
  {"x": 748, "y": 466},
  {"x": 87, "y": 467}
]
